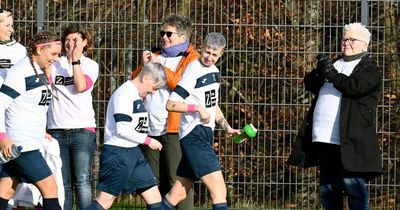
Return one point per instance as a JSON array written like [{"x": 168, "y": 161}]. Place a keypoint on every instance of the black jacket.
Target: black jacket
[{"x": 358, "y": 140}]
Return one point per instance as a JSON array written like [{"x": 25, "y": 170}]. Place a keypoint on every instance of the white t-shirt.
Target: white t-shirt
[
  {"x": 155, "y": 103},
  {"x": 326, "y": 119},
  {"x": 199, "y": 85},
  {"x": 24, "y": 101},
  {"x": 10, "y": 54},
  {"x": 69, "y": 108},
  {"x": 127, "y": 118}
]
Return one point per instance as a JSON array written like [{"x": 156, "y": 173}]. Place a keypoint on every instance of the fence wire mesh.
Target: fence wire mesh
[{"x": 271, "y": 45}]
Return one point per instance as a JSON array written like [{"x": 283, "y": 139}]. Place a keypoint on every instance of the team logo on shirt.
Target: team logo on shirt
[
  {"x": 138, "y": 106},
  {"x": 5, "y": 63},
  {"x": 207, "y": 79},
  {"x": 61, "y": 80}
]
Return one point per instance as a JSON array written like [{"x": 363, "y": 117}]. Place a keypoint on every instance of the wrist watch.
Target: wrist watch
[{"x": 78, "y": 62}]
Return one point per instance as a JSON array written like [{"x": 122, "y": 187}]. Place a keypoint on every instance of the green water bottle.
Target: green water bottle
[{"x": 249, "y": 131}]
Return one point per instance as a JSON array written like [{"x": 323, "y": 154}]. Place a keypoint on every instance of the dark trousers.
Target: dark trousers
[
  {"x": 335, "y": 181},
  {"x": 164, "y": 164}
]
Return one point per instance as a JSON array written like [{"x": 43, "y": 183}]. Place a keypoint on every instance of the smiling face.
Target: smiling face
[
  {"x": 6, "y": 28},
  {"x": 210, "y": 56},
  {"x": 353, "y": 43},
  {"x": 175, "y": 38},
  {"x": 47, "y": 55},
  {"x": 74, "y": 41}
]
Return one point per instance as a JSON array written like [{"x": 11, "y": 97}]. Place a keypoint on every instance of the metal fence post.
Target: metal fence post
[
  {"x": 40, "y": 15},
  {"x": 364, "y": 12}
]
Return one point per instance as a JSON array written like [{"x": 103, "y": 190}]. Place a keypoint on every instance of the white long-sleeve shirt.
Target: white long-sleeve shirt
[
  {"x": 127, "y": 118},
  {"x": 24, "y": 100},
  {"x": 198, "y": 85}
]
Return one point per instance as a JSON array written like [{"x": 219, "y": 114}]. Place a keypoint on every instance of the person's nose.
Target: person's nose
[{"x": 70, "y": 43}]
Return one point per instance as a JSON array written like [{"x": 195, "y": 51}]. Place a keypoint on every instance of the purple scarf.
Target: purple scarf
[{"x": 174, "y": 50}]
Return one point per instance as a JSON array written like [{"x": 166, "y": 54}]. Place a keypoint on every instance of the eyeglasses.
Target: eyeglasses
[
  {"x": 351, "y": 40},
  {"x": 169, "y": 33}
]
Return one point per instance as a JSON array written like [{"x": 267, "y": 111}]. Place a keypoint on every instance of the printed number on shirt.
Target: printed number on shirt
[
  {"x": 45, "y": 99},
  {"x": 211, "y": 98},
  {"x": 142, "y": 125}
]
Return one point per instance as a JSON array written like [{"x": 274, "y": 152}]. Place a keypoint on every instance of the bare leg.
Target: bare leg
[
  {"x": 47, "y": 187},
  {"x": 8, "y": 186},
  {"x": 152, "y": 195},
  {"x": 105, "y": 199},
  {"x": 179, "y": 190},
  {"x": 216, "y": 185}
]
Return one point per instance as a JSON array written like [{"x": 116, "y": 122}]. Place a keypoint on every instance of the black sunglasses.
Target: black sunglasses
[{"x": 169, "y": 33}]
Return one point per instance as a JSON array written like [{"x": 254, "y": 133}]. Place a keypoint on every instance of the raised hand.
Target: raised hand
[{"x": 324, "y": 65}]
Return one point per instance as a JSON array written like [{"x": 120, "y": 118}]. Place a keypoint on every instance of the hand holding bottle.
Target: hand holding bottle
[
  {"x": 249, "y": 131},
  {"x": 9, "y": 150}
]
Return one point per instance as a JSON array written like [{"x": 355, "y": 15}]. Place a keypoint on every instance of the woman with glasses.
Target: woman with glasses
[
  {"x": 71, "y": 118},
  {"x": 339, "y": 134},
  {"x": 24, "y": 99},
  {"x": 175, "y": 54},
  {"x": 10, "y": 50}
]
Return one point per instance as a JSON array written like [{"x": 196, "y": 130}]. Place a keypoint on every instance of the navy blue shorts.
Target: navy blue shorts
[
  {"x": 198, "y": 156},
  {"x": 124, "y": 170},
  {"x": 29, "y": 167}
]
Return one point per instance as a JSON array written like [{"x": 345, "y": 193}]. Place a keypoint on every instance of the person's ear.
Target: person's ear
[
  {"x": 39, "y": 50},
  {"x": 84, "y": 43}
]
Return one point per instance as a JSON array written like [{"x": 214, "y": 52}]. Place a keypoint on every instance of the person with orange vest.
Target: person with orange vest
[{"x": 175, "y": 54}]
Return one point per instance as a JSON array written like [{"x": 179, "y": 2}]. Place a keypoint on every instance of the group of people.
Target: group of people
[
  {"x": 45, "y": 96},
  {"x": 158, "y": 136}
]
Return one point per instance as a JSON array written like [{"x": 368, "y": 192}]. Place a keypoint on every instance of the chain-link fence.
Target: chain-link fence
[{"x": 271, "y": 45}]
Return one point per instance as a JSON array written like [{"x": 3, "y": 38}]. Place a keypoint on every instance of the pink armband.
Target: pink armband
[
  {"x": 89, "y": 82},
  {"x": 191, "y": 108},
  {"x": 147, "y": 141}
]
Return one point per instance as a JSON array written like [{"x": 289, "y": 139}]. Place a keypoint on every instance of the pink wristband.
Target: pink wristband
[
  {"x": 3, "y": 136},
  {"x": 147, "y": 141},
  {"x": 191, "y": 108}
]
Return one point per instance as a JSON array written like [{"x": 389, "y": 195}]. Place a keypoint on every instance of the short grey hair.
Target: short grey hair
[
  {"x": 215, "y": 41},
  {"x": 155, "y": 70},
  {"x": 362, "y": 29}
]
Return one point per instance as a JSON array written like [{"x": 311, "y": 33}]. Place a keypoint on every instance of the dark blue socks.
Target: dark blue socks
[
  {"x": 51, "y": 204},
  {"x": 166, "y": 205},
  {"x": 3, "y": 204},
  {"x": 220, "y": 206},
  {"x": 155, "y": 206}
]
